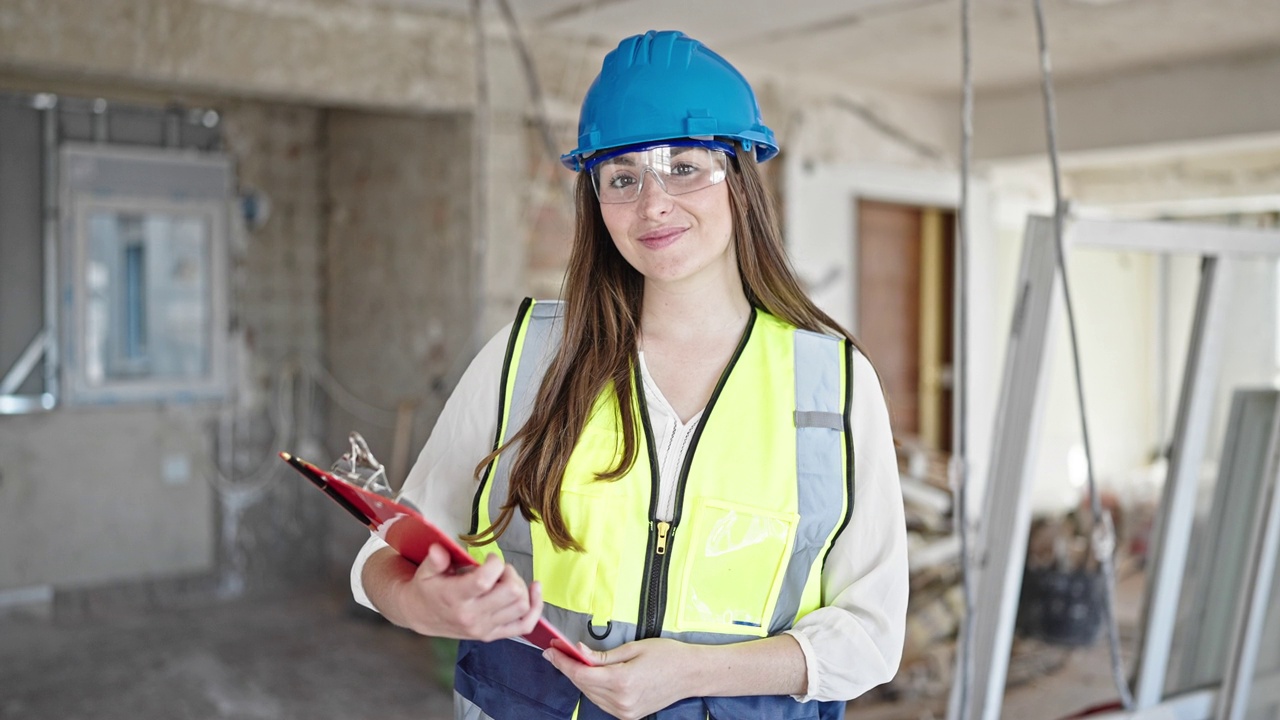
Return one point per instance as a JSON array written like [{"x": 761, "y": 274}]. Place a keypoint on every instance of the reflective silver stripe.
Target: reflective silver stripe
[
  {"x": 541, "y": 339},
  {"x": 574, "y": 627},
  {"x": 819, "y": 463},
  {"x": 813, "y": 418},
  {"x": 708, "y": 638},
  {"x": 464, "y": 709}
]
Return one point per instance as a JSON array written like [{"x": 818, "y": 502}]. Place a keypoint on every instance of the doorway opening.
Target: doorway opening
[{"x": 904, "y": 299}]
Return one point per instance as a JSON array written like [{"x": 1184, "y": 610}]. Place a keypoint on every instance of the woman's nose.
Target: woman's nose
[{"x": 653, "y": 199}]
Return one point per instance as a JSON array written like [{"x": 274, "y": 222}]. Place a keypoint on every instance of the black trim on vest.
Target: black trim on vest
[
  {"x": 502, "y": 406},
  {"x": 653, "y": 593},
  {"x": 655, "y": 478},
  {"x": 848, "y": 438},
  {"x": 651, "y": 573}
]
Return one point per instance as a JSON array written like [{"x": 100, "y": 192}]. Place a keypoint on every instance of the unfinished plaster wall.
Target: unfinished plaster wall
[
  {"x": 1192, "y": 102},
  {"x": 269, "y": 516},
  {"x": 400, "y": 302},
  {"x": 292, "y": 50},
  {"x": 84, "y": 500},
  {"x": 527, "y": 223}
]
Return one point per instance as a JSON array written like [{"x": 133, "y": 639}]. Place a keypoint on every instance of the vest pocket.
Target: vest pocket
[
  {"x": 737, "y": 560},
  {"x": 582, "y": 582}
]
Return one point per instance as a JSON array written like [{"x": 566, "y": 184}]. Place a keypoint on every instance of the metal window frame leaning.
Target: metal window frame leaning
[{"x": 1002, "y": 540}]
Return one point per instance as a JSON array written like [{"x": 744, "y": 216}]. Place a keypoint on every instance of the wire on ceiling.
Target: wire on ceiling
[{"x": 535, "y": 87}]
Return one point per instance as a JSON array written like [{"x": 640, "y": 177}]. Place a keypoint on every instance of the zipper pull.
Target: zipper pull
[{"x": 663, "y": 528}]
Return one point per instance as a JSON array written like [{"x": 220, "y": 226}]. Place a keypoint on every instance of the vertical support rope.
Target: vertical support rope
[
  {"x": 1103, "y": 539},
  {"x": 479, "y": 179},
  {"x": 959, "y": 364}
]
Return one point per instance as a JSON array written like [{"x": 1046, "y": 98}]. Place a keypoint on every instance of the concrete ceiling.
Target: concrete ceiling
[{"x": 914, "y": 45}]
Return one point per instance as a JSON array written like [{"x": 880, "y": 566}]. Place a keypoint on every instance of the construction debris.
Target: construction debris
[{"x": 1060, "y": 607}]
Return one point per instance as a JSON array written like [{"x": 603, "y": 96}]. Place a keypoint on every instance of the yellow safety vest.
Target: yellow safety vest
[{"x": 766, "y": 486}]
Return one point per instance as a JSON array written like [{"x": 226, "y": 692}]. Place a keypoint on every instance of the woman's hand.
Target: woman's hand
[
  {"x": 483, "y": 603},
  {"x": 634, "y": 680}
]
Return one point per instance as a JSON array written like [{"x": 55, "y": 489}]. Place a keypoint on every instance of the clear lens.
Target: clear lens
[{"x": 679, "y": 169}]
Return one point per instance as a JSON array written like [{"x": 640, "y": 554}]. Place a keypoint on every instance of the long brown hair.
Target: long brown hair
[{"x": 603, "y": 295}]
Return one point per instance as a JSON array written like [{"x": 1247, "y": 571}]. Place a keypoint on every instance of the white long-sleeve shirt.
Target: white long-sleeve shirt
[{"x": 851, "y": 645}]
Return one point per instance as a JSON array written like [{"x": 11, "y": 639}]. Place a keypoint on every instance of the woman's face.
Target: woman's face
[{"x": 670, "y": 238}]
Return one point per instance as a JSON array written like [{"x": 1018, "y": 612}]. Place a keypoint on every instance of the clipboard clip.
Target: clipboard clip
[{"x": 360, "y": 468}]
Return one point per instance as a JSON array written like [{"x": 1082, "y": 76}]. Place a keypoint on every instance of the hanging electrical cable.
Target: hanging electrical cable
[
  {"x": 1103, "y": 537},
  {"x": 884, "y": 127},
  {"x": 959, "y": 465},
  {"x": 535, "y": 87}
]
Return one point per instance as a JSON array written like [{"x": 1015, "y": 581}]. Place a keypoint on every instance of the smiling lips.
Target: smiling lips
[{"x": 660, "y": 238}]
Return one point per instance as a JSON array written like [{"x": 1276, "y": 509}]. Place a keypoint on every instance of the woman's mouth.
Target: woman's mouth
[{"x": 660, "y": 238}]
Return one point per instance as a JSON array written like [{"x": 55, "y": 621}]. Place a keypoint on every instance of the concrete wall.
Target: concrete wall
[
  {"x": 1194, "y": 102},
  {"x": 83, "y": 498},
  {"x": 358, "y": 281},
  {"x": 399, "y": 303},
  {"x": 292, "y": 50},
  {"x": 269, "y": 516}
]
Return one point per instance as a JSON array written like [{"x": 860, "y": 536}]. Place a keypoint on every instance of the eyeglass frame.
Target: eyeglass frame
[{"x": 592, "y": 162}]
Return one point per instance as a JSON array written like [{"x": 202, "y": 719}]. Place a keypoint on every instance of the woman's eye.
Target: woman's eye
[
  {"x": 622, "y": 180},
  {"x": 684, "y": 169}
]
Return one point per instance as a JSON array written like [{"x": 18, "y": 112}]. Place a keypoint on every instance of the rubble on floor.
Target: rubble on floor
[{"x": 1060, "y": 608}]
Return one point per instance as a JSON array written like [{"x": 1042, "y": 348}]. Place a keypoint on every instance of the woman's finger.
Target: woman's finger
[
  {"x": 524, "y": 623},
  {"x": 435, "y": 563}
]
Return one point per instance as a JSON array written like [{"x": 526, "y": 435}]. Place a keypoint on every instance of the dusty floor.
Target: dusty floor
[
  {"x": 306, "y": 656},
  {"x": 313, "y": 656}
]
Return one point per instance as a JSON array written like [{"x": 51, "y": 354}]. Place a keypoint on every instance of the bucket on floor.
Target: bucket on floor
[{"x": 1060, "y": 606}]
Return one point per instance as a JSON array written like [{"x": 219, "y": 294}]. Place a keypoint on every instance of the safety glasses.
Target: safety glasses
[{"x": 679, "y": 167}]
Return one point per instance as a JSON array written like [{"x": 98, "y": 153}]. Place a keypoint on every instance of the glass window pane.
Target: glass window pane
[
  {"x": 1264, "y": 698},
  {"x": 1231, "y": 483},
  {"x": 147, "y": 294}
]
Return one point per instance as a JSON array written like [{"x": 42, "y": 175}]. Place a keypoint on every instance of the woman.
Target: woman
[{"x": 693, "y": 478}]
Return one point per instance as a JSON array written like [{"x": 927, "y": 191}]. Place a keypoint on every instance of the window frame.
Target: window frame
[{"x": 79, "y": 201}]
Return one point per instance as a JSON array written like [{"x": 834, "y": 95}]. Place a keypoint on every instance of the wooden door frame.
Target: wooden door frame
[{"x": 819, "y": 221}]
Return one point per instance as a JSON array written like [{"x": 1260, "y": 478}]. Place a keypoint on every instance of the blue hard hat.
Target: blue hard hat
[{"x": 666, "y": 85}]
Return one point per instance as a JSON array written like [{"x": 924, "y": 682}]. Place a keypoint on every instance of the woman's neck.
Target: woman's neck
[{"x": 705, "y": 310}]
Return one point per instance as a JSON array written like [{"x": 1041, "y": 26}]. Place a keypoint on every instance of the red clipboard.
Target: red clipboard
[{"x": 411, "y": 534}]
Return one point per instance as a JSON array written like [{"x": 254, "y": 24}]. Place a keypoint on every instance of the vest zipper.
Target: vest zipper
[
  {"x": 654, "y": 598},
  {"x": 663, "y": 530},
  {"x": 653, "y": 590}
]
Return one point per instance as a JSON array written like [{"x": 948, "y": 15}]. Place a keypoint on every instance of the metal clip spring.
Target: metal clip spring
[{"x": 361, "y": 468}]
